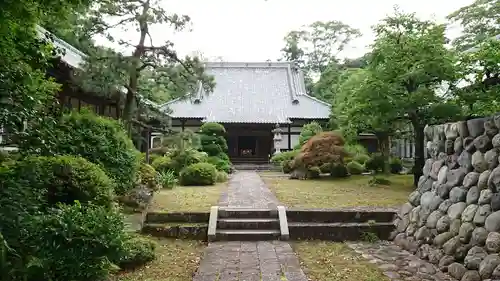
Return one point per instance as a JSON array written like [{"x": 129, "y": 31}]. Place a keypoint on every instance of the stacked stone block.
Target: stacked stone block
[{"x": 452, "y": 219}]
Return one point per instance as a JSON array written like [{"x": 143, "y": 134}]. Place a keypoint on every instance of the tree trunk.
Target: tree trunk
[
  {"x": 384, "y": 148},
  {"x": 419, "y": 151},
  {"x": 136, "y": 61}
]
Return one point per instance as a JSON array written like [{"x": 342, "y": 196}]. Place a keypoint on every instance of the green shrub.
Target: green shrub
[
  {"x": 338, "y": 171},
  {"x": 280, "y": 157},
  {"x": 182, "y": 159},
  {"x": 313, "y": 173},
  {"x": 355, "y": 168},
  {"x": 75, "y": 242},
  {"x": 137, "y": 251},
  {"x": 361, "y": 158},
  {"x": 355, "y": 149},
  {"x": 162, "y": 164},
  {"x": 212, "y": 128},
  {"x": 379, "y": 181},
  {"x": 62, "y": 179},
  {"x": 198, "y": 174},
  {"x": 166, "y": 179},
  {"x": 308, "y": 131},
  {"x": 376, "y": 163},
  {"x": 100, "y": 140},
  {"x": 221, "y": 176},
  {"x": 325, "y": 168},
  {"x": 286, "y": 166},
  {"x": 395, "y": 165},
  {"x": 220, "y": 164},
  {"x": 212, "y": 139},
  {"x": 147, "y": 175}
]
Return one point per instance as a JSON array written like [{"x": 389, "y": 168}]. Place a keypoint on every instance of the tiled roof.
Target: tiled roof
[
  {"x": 251, "y": 93},
  {"x": 72, "y": 56}
]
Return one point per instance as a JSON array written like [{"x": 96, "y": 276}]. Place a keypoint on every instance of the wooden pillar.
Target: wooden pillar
[
  {"x": 289, "y": 136},
  {"x": 183, "y": 124}
]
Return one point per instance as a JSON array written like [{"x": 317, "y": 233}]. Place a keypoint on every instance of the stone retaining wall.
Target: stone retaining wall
[{"x": 453, "y": 218}]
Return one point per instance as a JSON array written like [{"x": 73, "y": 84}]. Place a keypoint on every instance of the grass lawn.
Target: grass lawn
[
  {"x": 188, "y": 199},
  {"x": 176, "y": 260},
  {"x": 337, "y": 193},
  {"x": 334, "y": 262}
]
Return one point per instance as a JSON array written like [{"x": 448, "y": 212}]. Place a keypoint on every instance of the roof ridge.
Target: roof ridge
[{"x": 239, "y": 64}]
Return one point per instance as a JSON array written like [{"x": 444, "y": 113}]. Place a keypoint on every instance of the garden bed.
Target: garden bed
[
  {"x": 339, "y": 193},
  {"x": 334, "y": 261},
  {"x": 176, "y": 260},
  {"x": 187, "y": 199}
]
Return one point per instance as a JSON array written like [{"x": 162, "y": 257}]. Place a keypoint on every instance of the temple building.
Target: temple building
[{"x": 250, "y": 100}]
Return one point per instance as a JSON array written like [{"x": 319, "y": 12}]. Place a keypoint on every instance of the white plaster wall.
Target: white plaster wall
[
  {"x": 284, "y": 141},
  {"x": 295, "y": 140}
]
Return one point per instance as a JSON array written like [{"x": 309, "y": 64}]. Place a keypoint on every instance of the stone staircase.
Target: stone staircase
[{"x": 247, "y": 224}]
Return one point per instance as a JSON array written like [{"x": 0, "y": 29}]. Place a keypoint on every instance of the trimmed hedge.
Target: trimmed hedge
[
  {"x": 198, "y": 174},
  {"x": 147, "y": 175}
]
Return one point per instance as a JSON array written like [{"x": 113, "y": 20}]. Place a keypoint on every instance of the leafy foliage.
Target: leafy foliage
[
  {"x": 147, "y": 176},
  {"x": 98, "y": 139},
  {"x": 167, "y": 179},
  {"x": 315, "y": 47},
  {"x": 162, "y": 164},
  {"x": 198, "y": 174},
  {"x": 480, "y": 20},
  {"x": 338, "y": 170},
  {"x": 376, "y": 163},
  {"x": 136, "y": 251},
  {"x": 283, "y": 156},
  {"x": 355, "y": 168},
  {"x": 150, "y": 68},
  {"x": 326, "y": 147},
  {"x": 62, "y": 239},
  {"x": 396, "y": 165},
  {"x": 221, "y": 176},
  {"x": 308, "y": 131}
]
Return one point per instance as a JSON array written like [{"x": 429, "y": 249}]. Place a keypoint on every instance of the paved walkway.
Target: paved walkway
[{"x": 249, "y": 261}]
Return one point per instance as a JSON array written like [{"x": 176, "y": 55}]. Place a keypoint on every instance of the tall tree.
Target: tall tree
[
  {"x": 315, "y": 48},
  {"x": 148, "y": 65},
  {"x": 480, "y": 21},
  {"x": 408, "y": 64}
]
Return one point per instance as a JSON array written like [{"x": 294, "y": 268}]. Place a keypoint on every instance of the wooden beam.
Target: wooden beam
[{"x": 289, "y": 136}]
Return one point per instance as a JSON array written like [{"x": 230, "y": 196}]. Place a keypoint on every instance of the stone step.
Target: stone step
[
  {"x": 344, "y": 215},
  {"x": 340, "y": 231},
  {"x": 248, "y": 223},
  {"x": 246, "y": 235},
  {"x": 246, "y": 213}
]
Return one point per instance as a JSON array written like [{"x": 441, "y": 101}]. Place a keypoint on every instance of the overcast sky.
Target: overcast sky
[{"x": 253, "y": 30}]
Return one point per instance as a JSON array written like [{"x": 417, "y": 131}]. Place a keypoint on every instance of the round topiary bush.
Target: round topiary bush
[
  {"x": 355, "y": 168},
  {"x": 338, "y": 170},
  {"x": 100, "y": 140},
  {"x": 286, "y": 166},
  {"x": 396, "y": 165},
  {"x": 212, "y": 128},
  {"x": 136, "y": 251},
  {"x": 198, "y": 174},
  {"x": 62, "y": 179},
  {"x": 313, "y": 173},
  {"x": 182, "y": 159},
  {"x": 376, "y": 163},
  {"x": 162, "y": 164}
]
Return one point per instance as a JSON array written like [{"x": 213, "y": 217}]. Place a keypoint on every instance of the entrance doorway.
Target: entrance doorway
[{"x": 247, "y": 146}]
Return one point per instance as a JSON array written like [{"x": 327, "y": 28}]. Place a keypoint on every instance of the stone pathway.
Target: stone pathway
[
  {"x": 249, "y": 261},
  {"x": 246, "y": 189},
  {"x": 398, "y": 264}
]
